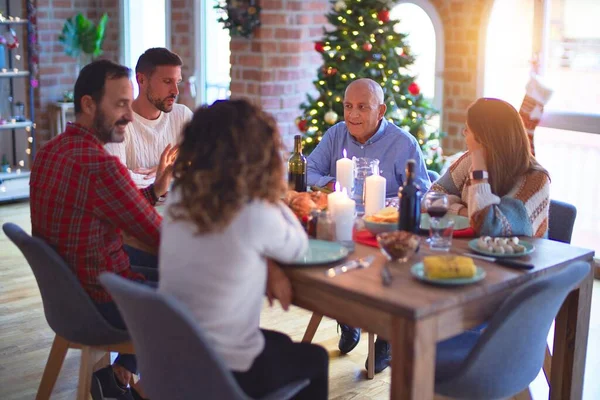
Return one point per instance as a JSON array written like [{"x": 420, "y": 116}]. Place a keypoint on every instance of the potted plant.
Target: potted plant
[{"x": 82, "y": 39}]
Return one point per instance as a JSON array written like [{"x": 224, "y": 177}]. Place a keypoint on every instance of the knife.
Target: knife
[
  {"x": 364, "y": 262},
  {"x": 507, "y": 262}
]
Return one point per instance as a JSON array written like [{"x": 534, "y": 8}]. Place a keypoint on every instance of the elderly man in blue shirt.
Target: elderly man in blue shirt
[{"x": 365, "y": 133}]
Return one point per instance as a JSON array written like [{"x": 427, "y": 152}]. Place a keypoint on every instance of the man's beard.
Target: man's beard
[
  {"x": 160, "y": 104},
  {"x": 106, "y": 132}
]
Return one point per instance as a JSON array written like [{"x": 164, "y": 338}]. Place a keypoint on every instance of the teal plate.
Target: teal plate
[
  {"x": 418, "y": 271},
  {"x": 529, "y": 248},
  {"x": 322, "y": 252},
  {"x": 460, "y": 222}
]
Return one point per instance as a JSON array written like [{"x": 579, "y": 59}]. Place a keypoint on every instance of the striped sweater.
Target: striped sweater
[{"x": 521, "y": 212}]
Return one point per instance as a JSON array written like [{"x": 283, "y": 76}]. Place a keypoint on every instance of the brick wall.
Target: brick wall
[
  {"x": 58, "y": 71},
  {"x": 462, "y": 21},
  {"x": 183, "y": 22},
  {"x": 276, "y": 68}
]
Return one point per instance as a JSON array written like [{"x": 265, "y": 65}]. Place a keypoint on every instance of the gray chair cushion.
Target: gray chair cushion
[{"x": 69, "y": 310}]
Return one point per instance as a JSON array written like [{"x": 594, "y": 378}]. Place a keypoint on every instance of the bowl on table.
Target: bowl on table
[
  {"x": 398, "y": 245},
  {"x": 380, "y": 227}
]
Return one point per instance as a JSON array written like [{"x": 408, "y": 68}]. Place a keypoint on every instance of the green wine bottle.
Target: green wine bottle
[{"x": 297, "y": 167}]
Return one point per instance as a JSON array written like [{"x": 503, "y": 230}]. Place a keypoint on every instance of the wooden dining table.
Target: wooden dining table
[{"x": 413, "y": 316}]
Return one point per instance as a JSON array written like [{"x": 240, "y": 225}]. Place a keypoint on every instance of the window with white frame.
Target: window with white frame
[
  {"x": 145, "y": 26},
  {"x": 563, "y": 37},
  {"x": 421, "y": 22},
  {"x": 213, "y": 55}
]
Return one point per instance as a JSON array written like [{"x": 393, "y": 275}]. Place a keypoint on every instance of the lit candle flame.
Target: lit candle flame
[
  {"x": 345, "y": 154},
  {"x": 337, "y": 187}
]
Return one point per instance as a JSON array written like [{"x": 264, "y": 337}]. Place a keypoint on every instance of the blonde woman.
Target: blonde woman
[
  {"x": 224, "y": 226},
  {"x": 498, "y": 183}
]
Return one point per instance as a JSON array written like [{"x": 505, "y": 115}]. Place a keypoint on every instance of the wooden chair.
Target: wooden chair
[{"x": 70, "y": 313}]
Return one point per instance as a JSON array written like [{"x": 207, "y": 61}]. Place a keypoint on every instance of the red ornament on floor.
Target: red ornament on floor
[
  {"x": 383, "y": 16},
  {"x": 414, "y": 89}
]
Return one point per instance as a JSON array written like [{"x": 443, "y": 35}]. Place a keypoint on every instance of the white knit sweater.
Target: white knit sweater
[{"x": 146, "y": 139}]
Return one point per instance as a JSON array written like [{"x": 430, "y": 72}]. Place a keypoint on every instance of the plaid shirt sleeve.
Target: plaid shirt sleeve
[{"x": 130, "y": 209}]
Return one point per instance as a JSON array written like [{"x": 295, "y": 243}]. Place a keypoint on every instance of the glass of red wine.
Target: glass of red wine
[{"x": 436, "y": 205}]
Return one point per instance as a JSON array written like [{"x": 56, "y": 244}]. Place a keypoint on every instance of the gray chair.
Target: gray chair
[
  {"x": 506, "y": 357},
  {"x": 70, "y": 313},
  {"x": 433, "y": 176},
  {"x": 561, "y": 221},
  {"x": 172, "y": 353}
]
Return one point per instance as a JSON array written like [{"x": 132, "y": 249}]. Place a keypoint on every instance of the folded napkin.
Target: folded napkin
[
  {"x": 465, "y": 233},
  {"x": 364, "y": 237}
]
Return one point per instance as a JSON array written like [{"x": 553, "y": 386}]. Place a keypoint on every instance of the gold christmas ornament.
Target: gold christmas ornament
[
  {"x": 339, "y": 5},
  {"x": 330, "y": 117}
]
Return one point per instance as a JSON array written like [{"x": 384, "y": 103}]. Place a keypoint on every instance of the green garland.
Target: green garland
[{"x": 241, "y": 17}]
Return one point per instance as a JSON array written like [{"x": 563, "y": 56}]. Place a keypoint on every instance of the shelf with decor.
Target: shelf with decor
[
  {"x": 16, "y": 125},
  {"x": 18, "y": 71},
  {"x": 13, "y": 74}
]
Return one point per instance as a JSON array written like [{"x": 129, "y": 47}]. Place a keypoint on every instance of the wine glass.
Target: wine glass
[{"x": 436, "y": 205}]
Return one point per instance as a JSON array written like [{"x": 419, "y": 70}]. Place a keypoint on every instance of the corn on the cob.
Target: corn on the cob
[{"x": 441, "y": 267}]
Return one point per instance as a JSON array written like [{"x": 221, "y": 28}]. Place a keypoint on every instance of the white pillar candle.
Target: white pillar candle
[
  {"x": 345, "y": 210},
  {"x": 374, "y": 192},
  {"x": 333, "y": 198},
  {"x": 344, "y": 172}
]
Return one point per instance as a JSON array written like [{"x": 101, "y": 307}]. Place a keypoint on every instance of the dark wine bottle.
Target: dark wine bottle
[
  {"x": 297, "y": 167},
  {"x": 410, "y": 201}
]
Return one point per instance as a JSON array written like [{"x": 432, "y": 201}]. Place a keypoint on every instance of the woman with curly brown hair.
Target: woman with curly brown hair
[
  {"x": 498, "y": 183},
  {"x": 224, "y": 226}
]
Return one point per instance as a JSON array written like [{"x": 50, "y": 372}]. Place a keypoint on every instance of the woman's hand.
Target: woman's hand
[{"x": 278, "y": 285}]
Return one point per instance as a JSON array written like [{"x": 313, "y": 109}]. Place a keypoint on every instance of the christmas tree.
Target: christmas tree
[{"x": 365, "y": 44}]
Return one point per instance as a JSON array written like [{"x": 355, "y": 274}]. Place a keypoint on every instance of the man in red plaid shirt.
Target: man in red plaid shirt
[{"x": 83, "y": 199}]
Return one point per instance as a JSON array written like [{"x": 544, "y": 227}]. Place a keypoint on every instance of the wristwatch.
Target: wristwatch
[{"x": 478, "y": 175}]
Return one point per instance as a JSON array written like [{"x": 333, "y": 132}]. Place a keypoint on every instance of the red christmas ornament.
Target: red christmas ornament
[
  {"x": 329, "y": 71},
  {"x": 367, "y": 46},
  {"x": 302, "y": 125},
  {"x": 414, "y": 89},
  {"x": 320, "y": 47},
  {"x": 383, "y": 16}
]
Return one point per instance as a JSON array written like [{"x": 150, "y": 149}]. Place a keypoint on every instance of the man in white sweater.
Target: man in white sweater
[{"x": 157, "y": 119}]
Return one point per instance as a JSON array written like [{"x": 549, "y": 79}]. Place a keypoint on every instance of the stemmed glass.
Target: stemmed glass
[{"x": 436, "y": 205}]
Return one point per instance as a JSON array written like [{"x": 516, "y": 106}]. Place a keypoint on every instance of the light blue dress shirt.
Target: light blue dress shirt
[{"x": 392, "y": 146}]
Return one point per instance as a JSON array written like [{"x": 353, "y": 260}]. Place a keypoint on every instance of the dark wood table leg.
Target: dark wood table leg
[
  {"x": 570, "y": 343},
  {"x": 311, "y": 329},
  {"x": 413, "y": 359}
]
